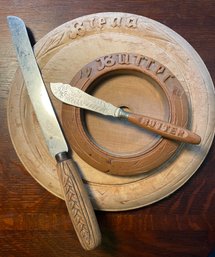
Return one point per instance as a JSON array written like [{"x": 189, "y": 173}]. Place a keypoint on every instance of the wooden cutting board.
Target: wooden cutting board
[{"x": 63, "y": 52}]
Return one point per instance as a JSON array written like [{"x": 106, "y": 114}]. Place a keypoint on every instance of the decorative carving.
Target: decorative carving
[
  {"x": 78, "y": 205},
  {"x": 79, "y": 219}
]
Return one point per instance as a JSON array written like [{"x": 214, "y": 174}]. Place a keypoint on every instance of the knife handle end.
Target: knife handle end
[{"x": 78, "y": 204}]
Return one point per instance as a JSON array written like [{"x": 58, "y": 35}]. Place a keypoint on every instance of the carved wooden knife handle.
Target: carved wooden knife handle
[
  {"x": 78, "y": 204},
  {"x": 164, "y": 129}
]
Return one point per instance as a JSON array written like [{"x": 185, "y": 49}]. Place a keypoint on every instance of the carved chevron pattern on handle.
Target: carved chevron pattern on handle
[
  {"x": 79, "y": 206},
  {"x": 74, "y": 204}
]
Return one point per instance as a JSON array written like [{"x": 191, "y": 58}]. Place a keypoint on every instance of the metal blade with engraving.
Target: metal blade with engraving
[
  {"x": 74, "y": 96},
  {"x": 77, "y": 201}
]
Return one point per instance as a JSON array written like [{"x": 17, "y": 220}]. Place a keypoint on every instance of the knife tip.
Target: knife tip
[{"x": 12, "y": 18}]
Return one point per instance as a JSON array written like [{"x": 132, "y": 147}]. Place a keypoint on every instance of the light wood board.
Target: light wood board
[{"x": 83, "y": 40}]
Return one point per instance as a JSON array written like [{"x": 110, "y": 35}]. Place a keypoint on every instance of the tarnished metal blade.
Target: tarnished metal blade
[
  {"x": 36, "y": 88},
  {"x": 74, "y": 96}
]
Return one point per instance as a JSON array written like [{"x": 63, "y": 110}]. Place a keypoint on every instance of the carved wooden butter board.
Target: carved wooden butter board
[
  {"x": 62, "y": 53},
  {"x": 141, "y": 85}
]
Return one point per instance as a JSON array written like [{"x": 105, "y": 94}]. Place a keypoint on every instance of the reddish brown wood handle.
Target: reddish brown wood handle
[
  {"x": 78, "y": 204},
  {"x": 164, "y": 129}
]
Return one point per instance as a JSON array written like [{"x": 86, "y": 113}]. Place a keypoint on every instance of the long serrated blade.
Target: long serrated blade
[
  {"x": 74, "y": 96},
  {"x": 36, "y": 89}
]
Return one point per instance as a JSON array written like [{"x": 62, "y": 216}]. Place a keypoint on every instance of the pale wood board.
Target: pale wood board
[{"x": 83, "y": 40}]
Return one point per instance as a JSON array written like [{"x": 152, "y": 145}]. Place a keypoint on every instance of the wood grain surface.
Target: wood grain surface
[{"x": 34, "y": 223}]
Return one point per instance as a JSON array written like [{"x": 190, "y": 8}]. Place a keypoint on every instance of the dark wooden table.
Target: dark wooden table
[{"x": 35, "y": 223}]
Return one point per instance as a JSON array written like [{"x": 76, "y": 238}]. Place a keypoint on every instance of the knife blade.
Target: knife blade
[
  {"x": 77, "y": 201},
  {"x": 74, "y": 96}
]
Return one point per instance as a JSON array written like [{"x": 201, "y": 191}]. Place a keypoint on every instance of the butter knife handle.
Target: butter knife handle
[
  {"x": 78, "y": 204},
  {"x": 164, "y": 129}
]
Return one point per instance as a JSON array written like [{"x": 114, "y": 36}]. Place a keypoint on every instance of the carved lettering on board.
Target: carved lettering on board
[
  {"x": 134, "y": 59},
  {"x": 168, "y": 76},
  {"x": 123, "y": 58},
  {"x": 131, "y": 22},
  {"x": 160, "y": 69},
  {"x": 78, "y": 29},
  {"x": 115, "y": 22},
  {"x": 106, "y": 61},
  {"x": 101, "y": 22}
]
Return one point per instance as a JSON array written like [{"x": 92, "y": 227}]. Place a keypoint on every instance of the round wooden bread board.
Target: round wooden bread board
[{"x": 63, "y": 52}]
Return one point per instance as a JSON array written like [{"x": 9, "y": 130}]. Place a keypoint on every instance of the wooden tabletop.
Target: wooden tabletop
[{"x": 35, "y": 223}]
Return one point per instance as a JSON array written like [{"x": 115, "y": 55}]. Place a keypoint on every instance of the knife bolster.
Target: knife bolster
[
  {"x": 63, "y": 156},
  {"x": 122, "y": 114}
]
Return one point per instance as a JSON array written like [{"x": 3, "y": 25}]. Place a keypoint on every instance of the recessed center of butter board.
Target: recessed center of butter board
[{"x": 137, "y": 93}]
